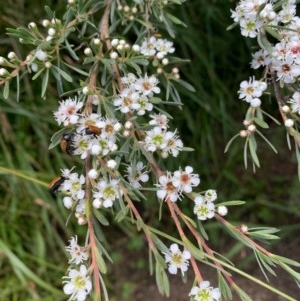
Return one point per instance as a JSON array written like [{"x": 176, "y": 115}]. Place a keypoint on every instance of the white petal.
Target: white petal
[
  {"x": 172, "y": 269},
  {"x": 69, "y": 288}
]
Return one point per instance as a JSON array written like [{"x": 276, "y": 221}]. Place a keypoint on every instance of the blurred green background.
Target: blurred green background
[{"x": 32, "y": 224}]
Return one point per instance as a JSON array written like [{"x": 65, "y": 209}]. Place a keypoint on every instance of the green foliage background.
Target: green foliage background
[{"x": 32, "y": 227}]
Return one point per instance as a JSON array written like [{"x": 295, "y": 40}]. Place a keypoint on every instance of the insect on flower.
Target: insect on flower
[
  {"x": 55, "y": 184},
  {"x": 92, "y": 130},
  {"x": 65, "y": 143}
]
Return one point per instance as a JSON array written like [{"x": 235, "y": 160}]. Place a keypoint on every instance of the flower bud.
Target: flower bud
[
  {"x": 11, "y": 55},
  {"x": 3, "y": 72},
  {"x": 85, "y": 90},
  {"x": 289, "y": 123},
  {"x": 285, "y": 109},
  {"x": 46, "y": 23},
  {"x": 113, "y": 55},
  {"x": 251, "y": 128},
  {"x": 96, "y": 41},
  {"x": 92, "y": 174},
  {"x": 48, "y": 65},
  {"x": 88, "y": 51},
  {"x": 165, "y": 61},
  {"x": 31, "y": 25},
  {"x": 136, "y": 48},
  {"x": 41, "y": 55},
  {"x": 51, "y": 31},
  {"x": 243, "y": 133},
  {"x": 111, "y": 164},
  {"x": 222, "y": 210}
]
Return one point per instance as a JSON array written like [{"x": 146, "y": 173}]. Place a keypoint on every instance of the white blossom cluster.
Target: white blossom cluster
[
  {"x": 157, "y": 47},
  {"x": 253, "y": 15},
  {"x": 78, "y": 283},
  {"x": 282, "y": 58}
]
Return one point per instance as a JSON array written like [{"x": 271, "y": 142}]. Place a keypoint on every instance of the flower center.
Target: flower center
[
  {"x": 79, "y": 282},
  {"x": 185, "y": 178},
  {"x": 204, "y": 295},
  {"x": 109, "y": 192},
  {"x": 177, "y": 258},
  {"x": 158, "y": 140}
]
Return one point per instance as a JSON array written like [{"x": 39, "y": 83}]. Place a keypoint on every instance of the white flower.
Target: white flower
[
  {"x": 155, "y": 139},
  {"x": 142, "y": 105},
  {"x": 78, "y": 254},
  {"x": 166, "y": 189},
  {"x": 67, "y": 112},
  {"x": 204, "y": 209},
  {"x": 78, "y": 284},
  {"x": 129, "y": 79},
  {"x": 287, "y": 70},
  {"x": 125, "y": 100},
  {"x": 185, "y": 180},
  {"x": 109, "y": 127},
  {"x": 251, "y": 89},
  {"x": 177, "y": 259},
  {"x": 147, "y": 85},
  {"x": 137, "y": 174},
  {"x": 260, "y": 58},
  {"x": 295, "y": 102},
  {"x": 204, "y": 292},
  {"x": 107, "y": 192},
  {"x": 148, "y": 47},
  {"x": 164, "y": 47},
  {"x": 160, "y": 120},
  {"x": 73, "y": 186},
  {"x": 173, "y": 144},
  {"x": 81, "y": 145}
]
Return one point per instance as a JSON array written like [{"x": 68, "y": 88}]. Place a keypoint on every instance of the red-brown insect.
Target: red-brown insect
[
  {"x": 55, "y": 184},
  {"x": 92, "y": 130},
  {"x": 65, "y": 143}
]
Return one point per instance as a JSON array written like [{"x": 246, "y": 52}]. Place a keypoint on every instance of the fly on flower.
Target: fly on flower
[
  {"x": 92, "y": 130},
  {"x": 55, "y": 184},
  {"x": 65, "y": 143}
]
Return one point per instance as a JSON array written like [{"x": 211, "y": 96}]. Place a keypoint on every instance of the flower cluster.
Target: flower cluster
[
  {"x": 156, "y": 47},
  {"x": 282, "y": 57},
  {"x": 77, "y": 284},
  {"x": 136, "y": 95},
  {"x": 253, "y": 15}
]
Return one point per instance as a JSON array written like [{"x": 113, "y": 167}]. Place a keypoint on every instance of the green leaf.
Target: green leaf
[
  {"x": 82, "y": 72},
  {"x": 261, "y": 123},
  {"x": 45, "y": 82},
  {"x": 231, "y": 203},
  {"x": 185, "y": 85},
  {"x": 224, "y": 287},
  {"x": 71, "y": 51},
  {"x": 6, "y": 90},
  {"x": 64, "y": 74},
  {"x": 252, "y": 147},
  {"x": 101, "y": 218}
]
